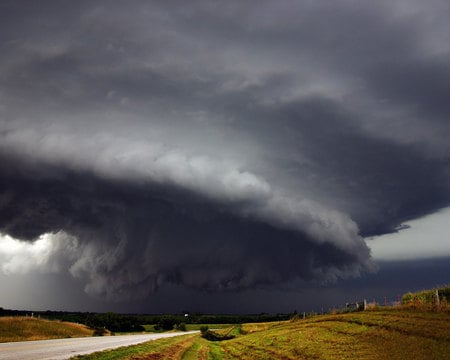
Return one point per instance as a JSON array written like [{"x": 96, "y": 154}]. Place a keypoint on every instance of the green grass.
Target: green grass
[
  {"x": 393, "y": 334},
  {"x": 427, "y": 298},
  {"x": 171, "y": 348},
  {"x": 189, "y": 327},
  {"x": 26, "y": 328},
  {"x": 377, "y": 334}
]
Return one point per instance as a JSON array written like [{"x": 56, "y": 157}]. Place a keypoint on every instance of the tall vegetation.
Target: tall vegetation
[
  {"x": 114, "y": 322},
  {"x": 435, "y": 299}
]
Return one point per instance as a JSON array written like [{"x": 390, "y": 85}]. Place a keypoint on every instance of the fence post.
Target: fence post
[{"x": 436, "y": 297}]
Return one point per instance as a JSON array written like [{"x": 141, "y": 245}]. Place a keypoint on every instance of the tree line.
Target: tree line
[{"x": 134, "y": 322}]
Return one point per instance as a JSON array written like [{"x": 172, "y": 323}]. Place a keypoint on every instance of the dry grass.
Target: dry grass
[
  {"x": 393, "y": 334},
  {"x": 378, "y": 334},
  {"x": 167, "y": 348},
  {"x": 26, "y": 328}
]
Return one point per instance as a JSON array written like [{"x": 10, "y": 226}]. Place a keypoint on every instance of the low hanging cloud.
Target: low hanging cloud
[
  {"x": 217, "y": 146},
  {"x": 127, "y": 238}
]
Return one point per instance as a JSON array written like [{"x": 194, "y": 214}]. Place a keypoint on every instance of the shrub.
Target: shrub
[
  {"x": 213, "y": 336},
  {"x": 100, "y": 331},
  {"x": 407, "y": 298},
  {"x": 181, "y": 327},
  {"x": 426, "y": 300},
  {"x": 166, "y": 323}
]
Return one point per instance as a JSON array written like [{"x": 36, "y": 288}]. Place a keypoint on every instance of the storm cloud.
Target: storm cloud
[
  {"x": 217, "y": 146},
  {"x": 127, "y": 239}
]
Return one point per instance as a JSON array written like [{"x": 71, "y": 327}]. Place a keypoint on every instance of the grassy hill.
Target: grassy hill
[
  {"x": 393, "y": 333},
  {"x": 27, "y": 328}
]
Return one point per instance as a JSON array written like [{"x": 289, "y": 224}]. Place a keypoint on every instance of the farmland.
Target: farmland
[
  {"x": 394, "y": 333},
  {"x": 418, "y": 327}
]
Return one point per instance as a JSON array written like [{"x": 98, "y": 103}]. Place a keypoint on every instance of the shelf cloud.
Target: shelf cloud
[{"x": 217, "y": 146}]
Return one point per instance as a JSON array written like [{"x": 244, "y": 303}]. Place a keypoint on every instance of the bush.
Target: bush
[
  {"x": 426, "y": 300},
  {"x": 166, "y": 323},
  {"x": 100, "y": 331},
  {"x": 212, "y": 336},
  {"x": 181, "y": 327},
  {"x": 114, "y": 322},
  {"x": 407, "y": 298}
]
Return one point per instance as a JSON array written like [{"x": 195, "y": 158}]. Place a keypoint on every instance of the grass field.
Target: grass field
[
  {"x": 189, "y": 327},
  {"x": 376, "y": 334},
  {"x": 26, "y": 328}
]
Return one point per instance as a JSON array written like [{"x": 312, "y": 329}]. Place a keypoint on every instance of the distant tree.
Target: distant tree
[
  {"x": 181, "y": 327},
  {"x": 166, "y": 323}
]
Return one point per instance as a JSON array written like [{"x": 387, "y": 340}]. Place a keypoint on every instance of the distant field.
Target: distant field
[
  {"x": 376, "y": 334},
  {"x": 190, "y": 327},
  {"x": 211, "y": 326},
  {"x": 26, "y": 328}
]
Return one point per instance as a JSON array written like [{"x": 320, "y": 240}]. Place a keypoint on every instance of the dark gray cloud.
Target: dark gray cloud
[
  {"x": 220, "y": 145},
  {"x": 134, "y": 238}
]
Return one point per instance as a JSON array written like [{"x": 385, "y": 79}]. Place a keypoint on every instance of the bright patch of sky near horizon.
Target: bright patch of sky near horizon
[{"x": 426, "y": 237}]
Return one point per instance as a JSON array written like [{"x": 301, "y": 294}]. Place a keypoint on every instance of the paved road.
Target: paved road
[{"x": 65, "y": 348}]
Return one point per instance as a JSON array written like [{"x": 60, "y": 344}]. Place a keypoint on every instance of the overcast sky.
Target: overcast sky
[{"x": 159, "y": 156}]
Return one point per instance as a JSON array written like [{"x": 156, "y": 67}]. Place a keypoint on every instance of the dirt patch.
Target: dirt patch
[
  {"x": 171, "y": 352},
  {"x": 155, "y": 356},
  {"x": 203, "y": 354}
]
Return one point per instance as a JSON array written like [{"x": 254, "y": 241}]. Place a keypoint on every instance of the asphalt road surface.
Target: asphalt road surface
[{"x": 65, "y": 348}]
